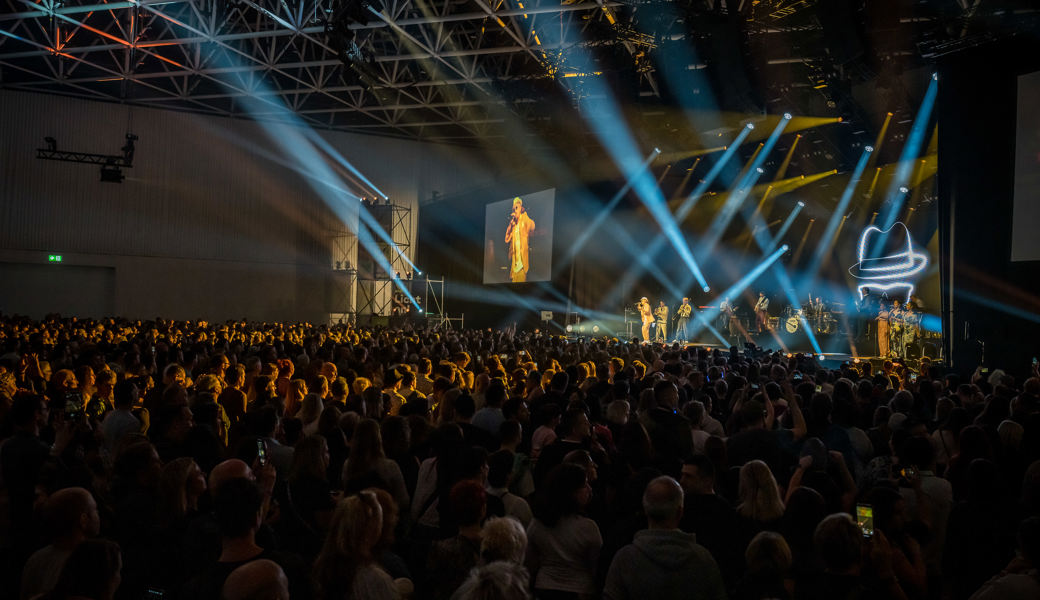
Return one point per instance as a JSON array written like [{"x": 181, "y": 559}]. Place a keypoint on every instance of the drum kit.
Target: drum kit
[{"x": 823, "y": 322}]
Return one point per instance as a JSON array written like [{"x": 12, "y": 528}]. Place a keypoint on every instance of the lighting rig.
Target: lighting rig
[{"x": 112, "y": 165}]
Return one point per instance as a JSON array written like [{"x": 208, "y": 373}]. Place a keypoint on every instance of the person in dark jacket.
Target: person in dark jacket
[{"x": 663, "y": 562}]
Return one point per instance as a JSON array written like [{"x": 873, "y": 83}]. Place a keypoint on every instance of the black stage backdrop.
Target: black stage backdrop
[{"x": 991, "y": 305}]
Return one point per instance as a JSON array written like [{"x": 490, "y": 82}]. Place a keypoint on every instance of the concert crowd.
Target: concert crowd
[{"x": 241, "y": 460}]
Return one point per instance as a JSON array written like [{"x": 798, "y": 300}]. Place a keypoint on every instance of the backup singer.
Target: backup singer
[
  {"x": 517, "y": 234},
  {"x": 911, "y": 326},
  {"x": 645, "y": 316},
  {"x": 882, "y": 329},
  {"x": 683, "y": 314},
  {"x": 897, "y": 342},
  {"x": 661, "y": 312},
  {"x": 762, "y": 312}
]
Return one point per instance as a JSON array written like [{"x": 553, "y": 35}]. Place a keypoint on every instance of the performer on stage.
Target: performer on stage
[
  {"x": 517, "y": 234},
  {"x": 911, "y": 326},
  {"x": 661, "y": 312},
  {"x": 646, "y": 316},
  {"x": 762, "y": 312},
  {"x": 683, "y": 314},
  {"x": 864, "y": 314},
  {"x": 816, "y": 311},
  {"x": 882, "y": 329},
  {"x": 897, "y": 343}
]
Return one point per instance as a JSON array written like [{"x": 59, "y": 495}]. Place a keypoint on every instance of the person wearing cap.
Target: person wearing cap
[{"x": 517, "y": 234}]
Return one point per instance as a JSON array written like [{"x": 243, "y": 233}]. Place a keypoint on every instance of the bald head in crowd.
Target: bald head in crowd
[
  {"x": 229, "y": 469},
  {"x": 663, "y": 503},
  {"x": 256, "y": 580}
]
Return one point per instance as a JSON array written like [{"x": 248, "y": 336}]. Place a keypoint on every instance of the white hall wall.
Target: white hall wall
[{"x": 208, "y": 223}]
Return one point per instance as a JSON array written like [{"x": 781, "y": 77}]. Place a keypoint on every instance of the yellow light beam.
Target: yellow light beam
[
  {"x": 787, "y": 159},
  {"x": 801, "y": 243},
  {"x": 664, "y": 174}
]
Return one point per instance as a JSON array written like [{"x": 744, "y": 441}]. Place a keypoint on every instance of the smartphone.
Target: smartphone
[
  {"x": 913, "y": 377},
  {"x": 261, "y": 452},
  {"x": 865, "y": 519},
  {"x": 154, "y": 594},
  {"x": 819, "y": 388},
  {"x": 983, "y": 369},
  {"x": 754, "y": 386}
]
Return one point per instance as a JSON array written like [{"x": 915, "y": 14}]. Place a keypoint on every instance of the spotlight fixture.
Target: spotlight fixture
[
  {"x": 800, "y": 203},
  {"x": 903, "y": 189},
  {"x": 52, "y": 144},
  {"x": 935, "y": 76},
  {"x": 110, "y": 173},
  {"x": 706, "y": 288},
  {"x": 760, "y": 170},
  {"x": 785, "y": 247},
  {"x": 750, "y": 125},
  {"x": 869, "y": 148},
  {"x": 788, "y": 116}
]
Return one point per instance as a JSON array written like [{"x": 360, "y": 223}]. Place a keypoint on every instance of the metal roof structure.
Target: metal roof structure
[{"x": 450, "y": 70}]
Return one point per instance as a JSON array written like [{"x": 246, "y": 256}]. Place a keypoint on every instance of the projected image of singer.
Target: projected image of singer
[{"x": 517, "y": 236}]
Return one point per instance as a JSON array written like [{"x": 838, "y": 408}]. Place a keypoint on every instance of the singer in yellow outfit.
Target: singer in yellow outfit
[{"x": 517, "y": 234}]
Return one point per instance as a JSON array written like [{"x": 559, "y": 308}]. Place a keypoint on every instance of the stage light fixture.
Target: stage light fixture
[
  {"x": 418, "y": 272},
  {"x": 706, "y": 288},
  {"x": 570, "y": 328},
  {"x": 760, "y": 170},
  {"x": 800, "y": 203},
  {"x": 869, "y": 148},
  {"x": 788, "y": 116},
  {"x": 935, "y": 76},
  {"x": 903, "y": 189},
  {"x": 52, "y": 144},
  {"x": 111, "y": 174}
]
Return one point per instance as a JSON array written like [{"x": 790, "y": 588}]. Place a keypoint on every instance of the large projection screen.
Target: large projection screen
[
  {"x": 518, "y": 238},
  {"x": 1025, "y": 222}
]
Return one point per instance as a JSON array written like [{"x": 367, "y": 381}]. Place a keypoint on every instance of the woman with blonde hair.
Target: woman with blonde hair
[
  {"x": 310, "y": 411},
  {"x": 346, "y": 567},
  {"x": 760, "y": 507}
]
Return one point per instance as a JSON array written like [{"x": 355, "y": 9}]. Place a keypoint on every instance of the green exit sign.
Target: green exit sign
[{"x": 55, "y": 258}]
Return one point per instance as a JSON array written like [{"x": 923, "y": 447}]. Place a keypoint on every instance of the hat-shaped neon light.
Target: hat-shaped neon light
[{"x": 893, "y": 272}]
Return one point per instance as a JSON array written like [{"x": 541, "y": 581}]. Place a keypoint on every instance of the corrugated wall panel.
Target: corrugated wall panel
[{"x": 204, "y": 190}]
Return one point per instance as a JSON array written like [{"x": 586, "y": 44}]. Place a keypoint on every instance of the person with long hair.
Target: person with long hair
[
  {"x": 768, "y": 559},
  {"x": 181, "y": 484},
  {"x": 890, "y": 517},
  {"x": 308, "y": 481},
  {"x": 563, "y": 545},
  {"x": 346, "y": 567},
  {"x": 759, "y": 507},
  {"x": 368, "y": 466}
]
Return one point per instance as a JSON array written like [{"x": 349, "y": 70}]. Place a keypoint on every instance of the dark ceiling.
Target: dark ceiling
[{"x": 465, "y": 71}]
